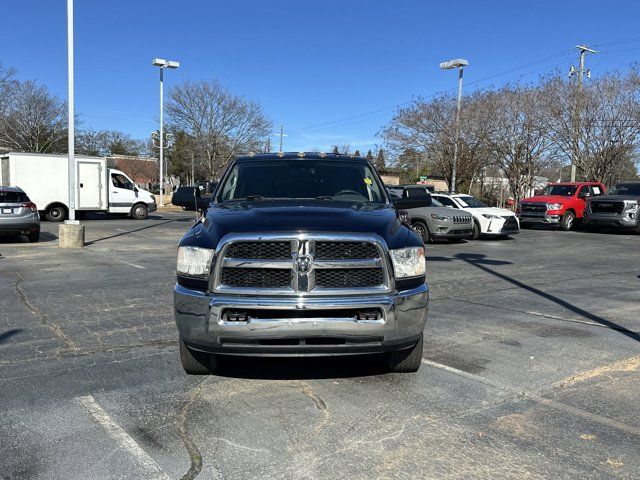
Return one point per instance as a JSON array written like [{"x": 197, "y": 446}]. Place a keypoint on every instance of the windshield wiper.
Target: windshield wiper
[{"x": 249, "y": 198}]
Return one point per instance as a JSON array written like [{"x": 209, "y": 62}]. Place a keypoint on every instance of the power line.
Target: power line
[{"x": 391, "y": 107}]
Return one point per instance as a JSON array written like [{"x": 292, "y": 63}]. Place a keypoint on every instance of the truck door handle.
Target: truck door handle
[{"x": 81, "y": 185}]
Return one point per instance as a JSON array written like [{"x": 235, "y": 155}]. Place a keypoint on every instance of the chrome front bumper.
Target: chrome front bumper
[
  {"x": 201, "y": 325},
  {"x": 540, "y": 218},
  {"x": 626, "y": 220}
]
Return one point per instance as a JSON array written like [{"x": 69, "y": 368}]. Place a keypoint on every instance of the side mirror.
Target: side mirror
[
  {"x": 584, "y": 195},
  {"x": 412, "y": 202},
  {"x": 403, "y": 216}
]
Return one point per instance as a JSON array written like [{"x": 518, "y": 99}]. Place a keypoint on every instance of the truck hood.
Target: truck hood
[
  {"x": 616, "y": 198},
  {"x": 546, "y": 199},
  {"x": 286, "y": 216}
]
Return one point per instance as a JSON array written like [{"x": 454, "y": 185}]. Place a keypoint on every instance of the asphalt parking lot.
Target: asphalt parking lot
[{"x": 531, "y": 370}]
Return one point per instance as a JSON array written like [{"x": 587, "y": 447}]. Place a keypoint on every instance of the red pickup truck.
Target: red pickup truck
[{"x": 560, "y": 204}]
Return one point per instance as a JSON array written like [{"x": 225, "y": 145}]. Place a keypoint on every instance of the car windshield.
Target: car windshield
[
  {"x": 626, "y": 189},
  {"x": 329, "y": 180},
  {"x": 561, "y": 190},
  {"x": 470, "y": 202},
  {"x": 13, "y": 197}
]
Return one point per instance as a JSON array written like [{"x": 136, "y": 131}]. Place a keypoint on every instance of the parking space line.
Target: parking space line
[
  {"x": 593, "y": 417},
  {"x": 126, "y": 443}
]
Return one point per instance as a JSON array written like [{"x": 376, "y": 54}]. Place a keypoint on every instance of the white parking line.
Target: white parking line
[
  {"x": 126, "y": 443},
  {"x": 134, "y": 265}
]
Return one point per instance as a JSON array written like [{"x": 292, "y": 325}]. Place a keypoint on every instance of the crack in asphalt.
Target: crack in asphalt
[
  {"x": 44, "y": 319},
  {"x": 181, "y": 426},
  {"x": 315, "y": 398}
]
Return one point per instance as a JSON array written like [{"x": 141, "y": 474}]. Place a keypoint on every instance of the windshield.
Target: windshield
[
  {"x": 302, "y": 179},
  {"x": 562, "y": 190},
  {"x": 470, "y": 202},
  {"x": 632, "y": 189},
  {"x": 13, "y": 197}
]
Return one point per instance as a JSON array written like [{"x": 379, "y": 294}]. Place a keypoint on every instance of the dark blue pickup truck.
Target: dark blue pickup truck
[{"x": 301, "y": 254}]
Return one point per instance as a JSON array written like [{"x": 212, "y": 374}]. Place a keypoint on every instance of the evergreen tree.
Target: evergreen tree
[{"x": 380, "y": 162}]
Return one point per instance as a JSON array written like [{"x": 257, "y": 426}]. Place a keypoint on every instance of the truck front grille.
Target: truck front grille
[
  {"x": 533, "y": 207},
  {"x": 261, "y": 250},
  {"x": 459, "y": 219},
  {"x": 607, "y": 207},
  {"x": 344, "y": 250},
  {"x": 256, "y": 277},
  {"x": 295, "y": 264},
  {"x": 362, "y": 277}
]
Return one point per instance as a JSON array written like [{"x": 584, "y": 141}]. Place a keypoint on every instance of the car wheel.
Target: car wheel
[
  {"x": 476, "y": 230},
  {"x": 408, "y": 360},
  {"x": 57, "y": 213},
  {"x": 34, "y": 236},
  {"x": 422, "y": 230},
  {"x": 196, "y": 363},
  {"x": 568, "y": 221},
  {"x": 139, "y": 212}
]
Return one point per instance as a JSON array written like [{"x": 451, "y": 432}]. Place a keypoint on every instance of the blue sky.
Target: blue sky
[{"x": 329, "y": 70}]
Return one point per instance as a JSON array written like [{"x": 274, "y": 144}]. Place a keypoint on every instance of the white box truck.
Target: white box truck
[{"x": 45, "y": 178}]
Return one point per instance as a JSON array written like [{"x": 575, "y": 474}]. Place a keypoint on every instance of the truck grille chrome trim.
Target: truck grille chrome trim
[{"x": 311, "y": 264}]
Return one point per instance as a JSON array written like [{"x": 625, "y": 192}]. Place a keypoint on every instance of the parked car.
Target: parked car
[
  {"x": 191, "y": 197},
  {"x": 619, "y": 209},
  {"x": 561, "y": 204},
  {"x": 18, "y": 214},
  {"x": 435, "y": 222},
  {"x": 488, "y": 221},
  {"x": 301, "y": 254},
  {"x": 98, "y": 187}
]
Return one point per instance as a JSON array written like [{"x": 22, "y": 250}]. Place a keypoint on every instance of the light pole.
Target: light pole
[
  {"x": 576, "y": 122},
  {"x": 458, "y": 63},
  {"x": 162, "y": 63},
  {"x": 71, "y": 119}
]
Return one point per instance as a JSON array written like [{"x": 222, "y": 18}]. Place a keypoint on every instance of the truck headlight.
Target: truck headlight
[
  {"x": 435, "y": 216},
  {"x": 491, "y": 217},
  {"x": 408, "y": 262},
  {"x": 630, "y": 205},
  {"x": 194, "y": 261},
  {"x": 554, "y": 206}
]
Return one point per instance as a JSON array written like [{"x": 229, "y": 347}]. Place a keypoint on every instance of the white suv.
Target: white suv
[{"x": 493, "y": 221}]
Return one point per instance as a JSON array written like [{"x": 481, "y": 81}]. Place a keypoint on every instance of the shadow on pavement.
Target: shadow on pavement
[
  {"x": 300, "y": 368},
  {"x": 481, "y": 261},
  {"x": 9, "y": 333},
  {"x": 130, "y": 231}
]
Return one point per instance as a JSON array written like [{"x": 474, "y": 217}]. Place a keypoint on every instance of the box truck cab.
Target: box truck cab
[{"x": 98, "y": 188}]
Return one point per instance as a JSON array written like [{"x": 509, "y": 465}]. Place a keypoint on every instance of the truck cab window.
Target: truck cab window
[{"x": 120, "y": 181}]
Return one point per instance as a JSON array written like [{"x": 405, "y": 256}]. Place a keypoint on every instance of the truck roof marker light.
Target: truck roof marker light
[
  {"x": 322, "y": 155},
  {"x": 251, "y": 154},
  {"x": 280, "y": 154},
  {"x": 301, "y": 154}
]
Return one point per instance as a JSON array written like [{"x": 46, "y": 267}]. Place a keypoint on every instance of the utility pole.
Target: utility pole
[
  {"x": 70, "y": 103},
  {"x": 281, "y": 135},
  {"x": 576, "y": 123}
]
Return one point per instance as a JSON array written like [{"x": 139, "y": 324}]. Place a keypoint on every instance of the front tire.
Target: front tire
[
  {"x": 139, "y": 212},
  {"x": 408, "y": 360},
  {"x": 476, "y": 230},
  {"x": 568, "y": 221},
  {"x": 196, "y": 363},
  {"x": 422, "y": 230}
]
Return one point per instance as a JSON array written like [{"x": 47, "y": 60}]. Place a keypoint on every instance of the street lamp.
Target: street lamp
[
  {"x": 162, "y": 63},
  {"x": 458, "y": 63}
]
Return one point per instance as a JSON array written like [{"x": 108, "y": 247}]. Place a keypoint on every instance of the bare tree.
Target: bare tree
[
  {"x": 609, "y": 121},
  {"x": 222, "y": 125},
  {"x": 34, "y": 120},
  {"x": 519, "y": 138},
  {"x": 108, "y": 142},
  {"x": 428, "y": 129}
]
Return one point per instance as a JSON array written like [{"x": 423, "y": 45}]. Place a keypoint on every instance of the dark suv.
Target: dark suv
[{"x": 300, "y": 254}]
